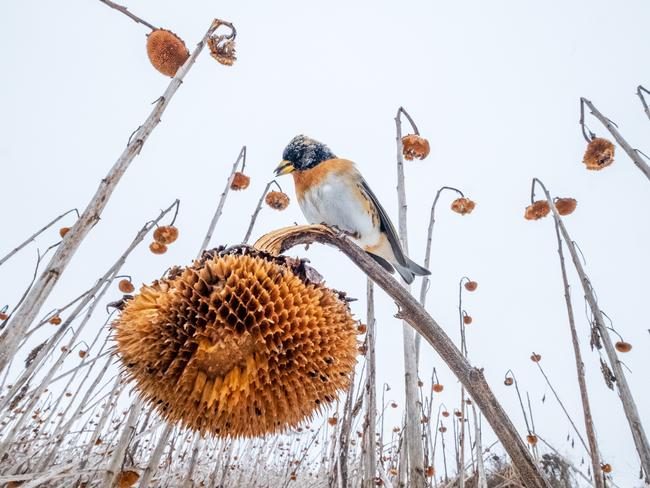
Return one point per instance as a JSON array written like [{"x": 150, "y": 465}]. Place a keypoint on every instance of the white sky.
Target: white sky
[{"x": 493, "y": 85}]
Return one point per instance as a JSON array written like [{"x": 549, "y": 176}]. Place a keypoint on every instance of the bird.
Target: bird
[{"x": 332, "y": 191}]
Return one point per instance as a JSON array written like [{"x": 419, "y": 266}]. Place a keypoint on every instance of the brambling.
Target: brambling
[{"x": 332, "y": 191}]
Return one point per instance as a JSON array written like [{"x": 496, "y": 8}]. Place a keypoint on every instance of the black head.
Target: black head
[{"x": 303, "y": 153}]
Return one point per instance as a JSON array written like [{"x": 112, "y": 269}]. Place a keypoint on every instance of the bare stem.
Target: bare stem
[
  {"x": 126, "y": 12},
  {"x": 258, "y": 208},
  {"x": 639, "y": 91}
]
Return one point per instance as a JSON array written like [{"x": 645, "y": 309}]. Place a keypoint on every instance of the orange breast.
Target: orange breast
[{"x": 304, "y": 180}]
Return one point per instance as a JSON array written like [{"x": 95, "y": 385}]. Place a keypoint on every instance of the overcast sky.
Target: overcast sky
[{"x": 493, "y": 85}]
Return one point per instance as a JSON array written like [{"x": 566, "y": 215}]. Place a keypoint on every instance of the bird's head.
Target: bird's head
[{"x": 302, "y": 153}]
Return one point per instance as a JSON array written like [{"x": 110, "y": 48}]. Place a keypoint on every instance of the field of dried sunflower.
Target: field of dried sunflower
[{"x": 208, "y": 344}]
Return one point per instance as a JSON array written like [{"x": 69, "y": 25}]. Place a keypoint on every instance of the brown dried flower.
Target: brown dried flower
[
  {"x": 126, "y": 286},
  {"x": 430, "y": 471},
  {"x": 240, "y": 181},
  {"x": 126, "y": 479},
  {"x": 445, "y": 413},
  {"x": 537, "y": 210},
  {"x": 508, "y": 381},
  {"x": 222, "y": 49},
  {"x": 599, "y": 154},
  {"x": 622, "y": 346},
  {"x": 63, "y": 231},
  {"x": 536, "y": 358},
  {"x": 165, "y": 234},
  {"x": 414, "y": 146},
  {"x": 55, "y": 320},
  {"x": 532, "y": 439},
  {"x": 463, "y": 206},
  {"x": 3, "y": 316},
  {"x": 332, "y": 420},
  {"x": 607, "y": 468},
  {"x": 157, "y": 248},
  {"x": 467, "y": 319},
  {"x": 361, "y": 328},
  {"x": 565, "y": 206},
  {"x": 167, "y": 52},
  {"x": 277, "y": 200},
  {"x": 82, "y": 353},
  {"x": 443, "y": 429},
  {"x": 471, "y": 286},
  {"x": 437, "y": 387},
  {"x": 239, "y": 344}
]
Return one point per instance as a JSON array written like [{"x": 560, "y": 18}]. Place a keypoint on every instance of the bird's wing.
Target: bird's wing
[{"x": 385, "y": 224}]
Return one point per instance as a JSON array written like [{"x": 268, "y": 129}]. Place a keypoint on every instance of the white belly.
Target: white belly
[{"x": 334, "y": 203}]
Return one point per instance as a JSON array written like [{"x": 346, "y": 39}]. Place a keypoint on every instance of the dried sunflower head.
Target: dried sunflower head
[
  {"x": 508, "y": 381},
  {"x": 532, "y": 439},
  {"x": 239, "y": 344},
  {"x": 471, "y": 286},
  {"x": 622, "y": 346},
  {"x": 240, "y": 181},
  {"x": 463, "y": 205},
  {"x": 128, "y": 478},
  {"x": 55, "y": 320},
  {"x": 222, "y": 49},
  {"x": 157, "y": 248},
  {"x": 437, "y": 387},
  {"x": 415, "y": 146},
  {"x": 277, "y": 200},
  {"x": 565, "y": 206},
  {"x": 537, "y": 210},
  {"x": 599, "y": 154},
  {"x": 467, "y": 319},
  {"x": 166, "y": 51},
  {"x": 126, "y": 286},
  {"x": 536, "y": 358},
  {"x": 165, "y": 234}
]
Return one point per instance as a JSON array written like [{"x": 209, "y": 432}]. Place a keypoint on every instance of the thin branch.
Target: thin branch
[
  {"x": 126, "y": 12},
  {"x": 411, "y": 311},
  {"x": 639, "y": 91},
  {"x": 251, "y": 224}
]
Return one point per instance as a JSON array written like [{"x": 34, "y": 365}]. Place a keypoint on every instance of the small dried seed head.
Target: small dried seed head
[
  {"x": 167, "y": 52},
  {"x": 82, "y": 353},
  {"x": 622, "y": 346},
  {"x": 463, "y": 206},
  {"x": 332, "y": 420},
  {"x": 3, "y": 316},
  {"x": 126, "y": 286},
  {"x": 467, "y": 319},
  {"x": 537, "y": 210},
  {"x": 361, "y": 328},
  {"x": 63, "y": 231},
  {"x": 222, "y": 49},
  {"x": 458, "y": 413},
  {"x": 414, "y": 146},
  {"x": 607, "y": 468},
  {"x": 536, "y": 358},
  {"x": 55, "y": 320},
  {"x": 565, "y": 206},
  {"x": 443, "y": 429},
  {"x": 277, "y": 200},
  {"x": 240, "y": 344},
  {"x": 157, "y": 248},
  {"x": 126, "y": 479},
  {"x": 430, "y": 471},
  {"x": 471, "y": 286},
  {"x": 508, "y": 381},
  {"x": 165, "y": 234},
  {"x": 420, "y": 383},
  {"x": 445, "y": 413},
  {"x": 393, "y": 404},
  {"x": 437, "y": 387},
  {"x": 396, "y": 429},
  {"x": 240, "y": 181},
  {"x": 532, "y": 439},
  {"x": 599, "y": 154}
]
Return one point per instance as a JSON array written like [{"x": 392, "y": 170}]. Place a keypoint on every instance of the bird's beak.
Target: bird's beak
[{"x": 284, "y": 168}]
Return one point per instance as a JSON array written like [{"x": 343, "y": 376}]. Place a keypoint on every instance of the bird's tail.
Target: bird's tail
[{"x": 411, "y": 270}]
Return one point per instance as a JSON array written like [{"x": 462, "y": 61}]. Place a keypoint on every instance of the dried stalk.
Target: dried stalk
[
  {"x": 344, "y": 437},
  {"x": 25, "y": 315},
  {"x": 251, "y": 224},
  {"x": 120, "y": 449},
  {"x": 639, "y": 91},
  {"x": 481, "y": 479},
  {"x": 424, "y": 287},
  {"x": 35, "y": 235},
  {"x": 370, "y": 421},
  {"x": 222, "y": 201},
  {"x": 627, "y": 400},
  {"x": 631, "y": 152},
  {"x": 412, "y": 434},
  {"x": 126, "y": 12},
  {"x": 411, "y": 311}
]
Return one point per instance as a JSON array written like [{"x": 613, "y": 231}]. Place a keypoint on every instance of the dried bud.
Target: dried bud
[
  {"x": 157, "y": 248},
  {"x": 437, "y": 387},
  {"x": 445, "y": 413},
  {"x": 414, "y": 146},
  {"x": 393, "y": 404},
  {"x": 537, "y": 210},
  {"x": 430, "y": 471},
  {"x": 565, "y": 206},
  {"x": 126, "y": 286},
  {"x": 471, "y": 286},
  {"x": 463, "y": 206},
  {"x": 508, "y": 381},
  {"x": 55, "y": 320},
  {"x": 332, "y": 420},
  {"x": 532, "y": 439},
  {"x": 536, "y": 358},
  {"x": 240, "y": 181},
  {"x": 222, "y": 49},
  {"x": 442, "y": 429},
  {"x": 167, "y": 52},
  {"x": 82, "y": 353},
  {"x": 607, "y": 468},
  {"x": 599, "y": 154},
  {"x": 361, "y": 328},
  {"x": 467, "y": 319},
  {"x": 165, "y": 234},
  {"x": 622, "y": 346},
  {"x": 277, "y": 200},
  {"x": 63, "y": 231},
  {"x": 126, "y": 479},
  {"x": 3, "y": 316}
]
